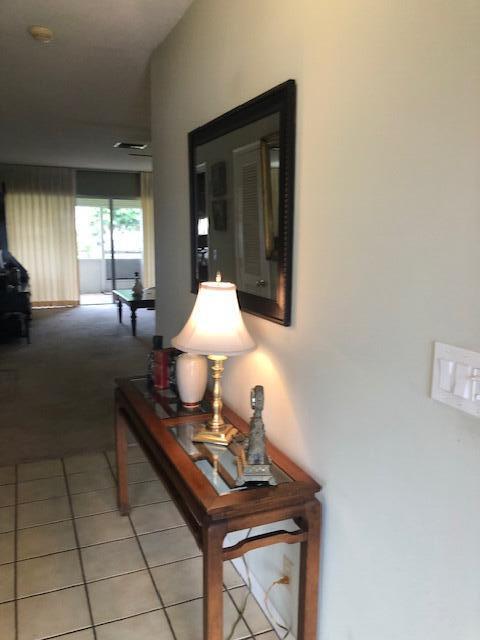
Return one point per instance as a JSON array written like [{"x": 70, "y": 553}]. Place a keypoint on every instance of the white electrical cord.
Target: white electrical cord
[{"x": 267, "y": 600}]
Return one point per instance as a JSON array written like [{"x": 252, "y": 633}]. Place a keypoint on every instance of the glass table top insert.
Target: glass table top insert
[
  {"x": 166, "y": 402},
  {"x": 219, "y": 464}
]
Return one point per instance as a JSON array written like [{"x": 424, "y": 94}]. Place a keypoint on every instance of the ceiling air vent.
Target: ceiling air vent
[{"x": 131, "y": 145}]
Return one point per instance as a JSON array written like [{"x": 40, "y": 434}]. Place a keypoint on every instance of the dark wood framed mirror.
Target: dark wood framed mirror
[{"x": 241, "y": 201}]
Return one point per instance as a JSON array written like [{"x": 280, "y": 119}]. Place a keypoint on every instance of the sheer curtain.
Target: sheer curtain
[
  {"x": 146, "y": 191},
  {"x": 40, "y": 208}
]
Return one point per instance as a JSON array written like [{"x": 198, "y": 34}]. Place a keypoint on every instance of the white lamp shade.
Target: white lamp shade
[{"x": 215, "y": 326}]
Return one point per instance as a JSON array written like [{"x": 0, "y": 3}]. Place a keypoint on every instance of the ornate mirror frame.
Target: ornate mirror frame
[{"x": 282, "y": 100}]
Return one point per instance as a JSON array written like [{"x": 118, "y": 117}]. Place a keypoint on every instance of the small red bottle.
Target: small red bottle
[{"x": 159, "y": 364}]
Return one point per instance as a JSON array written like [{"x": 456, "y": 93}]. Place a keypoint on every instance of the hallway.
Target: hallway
[
  {"x": 56, "y": 395},
  {"x": 71, "y": 567}
]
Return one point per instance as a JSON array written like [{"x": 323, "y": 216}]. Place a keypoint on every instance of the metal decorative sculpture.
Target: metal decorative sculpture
[{"x": 254, "y": 465}]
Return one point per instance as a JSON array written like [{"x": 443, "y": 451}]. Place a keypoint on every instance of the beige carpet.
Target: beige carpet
[{"x": 56, "y": 395}]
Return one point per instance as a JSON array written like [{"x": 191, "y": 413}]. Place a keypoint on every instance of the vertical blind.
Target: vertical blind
[{"x": 40, "y": 208}]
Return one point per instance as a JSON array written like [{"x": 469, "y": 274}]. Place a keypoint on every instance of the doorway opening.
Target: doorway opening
[{"x": 109, "y": 246}]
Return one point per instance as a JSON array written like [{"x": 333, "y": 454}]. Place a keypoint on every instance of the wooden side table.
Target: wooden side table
[
  {"x": 125, "y": 296},
  {"x": 203, "y": 492}
]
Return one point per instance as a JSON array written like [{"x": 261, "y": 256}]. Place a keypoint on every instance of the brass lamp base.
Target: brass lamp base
[
  {"x": 223, "y": 435},
  {"x": 216, "y": 431}
]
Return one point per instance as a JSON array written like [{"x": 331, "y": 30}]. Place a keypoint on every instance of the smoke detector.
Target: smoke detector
[{"x": 41, "y": 34}]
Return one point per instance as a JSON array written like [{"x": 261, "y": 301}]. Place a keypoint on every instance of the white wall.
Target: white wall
[{"x": 386, "y": 261}]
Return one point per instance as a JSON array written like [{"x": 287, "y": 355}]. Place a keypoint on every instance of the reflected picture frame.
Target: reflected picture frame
[
  {"x": 219, "y": 214},
  {"x": 218, "y": 177}
]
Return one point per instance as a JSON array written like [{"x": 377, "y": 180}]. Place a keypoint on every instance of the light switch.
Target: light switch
[
  {"x": 476, "y": 384},
  {"x": 447, "y": 367},
  {"x": 456, "y": 378},
  {"x": 463, "y": 381}
]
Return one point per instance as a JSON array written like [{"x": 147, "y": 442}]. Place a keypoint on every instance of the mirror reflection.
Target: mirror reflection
[{"x": 237, "y": 207}]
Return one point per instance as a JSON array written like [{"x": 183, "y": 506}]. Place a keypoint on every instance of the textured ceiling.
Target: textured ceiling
[{"x": 65, "y": 103}]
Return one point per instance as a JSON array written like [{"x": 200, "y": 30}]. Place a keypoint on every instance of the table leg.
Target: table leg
[
  {"x": 309, "y": 572},
  {"x": 119, "y": 304},
  {"x": 121, "y": 447},
  {"x": 133, "y": 317},
  {"x": 213, "y": 536}
]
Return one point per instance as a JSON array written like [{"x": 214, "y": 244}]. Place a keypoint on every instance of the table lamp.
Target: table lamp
[{"x": 216, "y": 329}]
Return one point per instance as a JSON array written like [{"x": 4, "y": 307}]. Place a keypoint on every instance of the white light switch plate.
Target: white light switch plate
[{"x": 456, "y": 378}]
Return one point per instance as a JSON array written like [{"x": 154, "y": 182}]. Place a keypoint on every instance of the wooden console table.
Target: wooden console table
[
  {"x": 125, "y": 296},
  {"x": 208, "y": 501}
]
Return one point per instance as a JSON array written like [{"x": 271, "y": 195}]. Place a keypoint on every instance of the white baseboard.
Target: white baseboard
[{"x": 259, "y": 595}]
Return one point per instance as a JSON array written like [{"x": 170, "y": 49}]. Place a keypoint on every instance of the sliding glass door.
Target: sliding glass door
[{"x": 109, "y": 243}]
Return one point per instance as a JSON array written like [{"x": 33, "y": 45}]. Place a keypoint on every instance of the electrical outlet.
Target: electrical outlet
[{"x": 287, "y": 568}]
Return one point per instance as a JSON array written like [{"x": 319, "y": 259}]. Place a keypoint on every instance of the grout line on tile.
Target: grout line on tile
[
  {"x": 147, "y": 504},
  {"x": 116, "y": 575},
  {"x": 177, "y": 604},
  {"x": 69, "y": 633},
  {"x": 166, "y": 564},
  {"x": 42, "y": 499},
  {"x": 63, "y": 495},
  {"x": 85, "y": 472},
  {"x": 8, "y": 601},
  {"x": 122, "y": 618},
  {"x": 138, "y": 481},
  {"x": 156, "y": 530},
  {"x": 92, "y": 515},
  {"x": 135, "y": 615},
  {"x": 44, "y": 524},
  {"x": 55, "y": 475},
  {"x": 45, "y": 555},
  {"x": 150, "y": 533},
  {"x": 82, "y": 568},
  {"x": 80, "y": 493},
  {"x": 110, "y": 467},
  {"x": 148, "y": 568},
  {"x": 132, "y": 464},
  {"x": 153, "y": 581},
  {"x": 83, "y": 493},
  {"x": 42, "y": 593},
  {"x": 87, "y": 546},
  {"x": 101, "y": 513},
  {"x": 98, "y": 544},
  {"x": 242, "y": 617}
]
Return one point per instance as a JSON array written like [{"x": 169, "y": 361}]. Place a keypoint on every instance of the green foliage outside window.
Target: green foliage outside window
[{"x": 128, "y": 219}]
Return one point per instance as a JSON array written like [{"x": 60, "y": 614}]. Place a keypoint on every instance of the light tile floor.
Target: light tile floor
[{"x": 72, "y": 568}]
